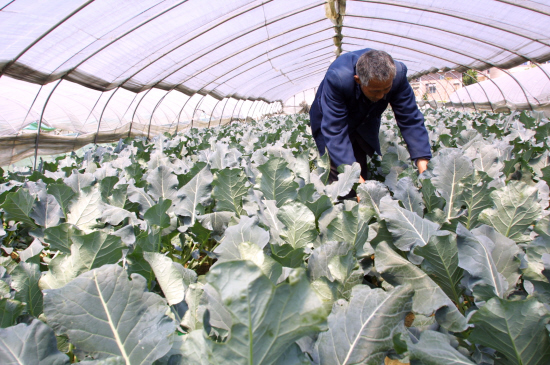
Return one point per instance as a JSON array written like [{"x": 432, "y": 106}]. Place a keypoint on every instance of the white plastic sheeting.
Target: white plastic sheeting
[
  {"x": 520, "y": 91},
  {"x": 131, "y": 67}
]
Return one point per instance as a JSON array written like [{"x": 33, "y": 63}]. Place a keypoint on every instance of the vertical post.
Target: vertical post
[
  {"x": 212, "y": 113},
  {"x": 221, "y": 116},
  {"x": 179, "y": 114},
  {"x": 196, "y": 107},
  {"x": 40, "y": 124}
]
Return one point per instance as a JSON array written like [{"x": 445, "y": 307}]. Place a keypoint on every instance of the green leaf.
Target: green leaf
[
  {"x": 104, "y": 314},
  {"x": 299, "y": 231},
  {"x": 59, "y": 237},
  {"x": 361, "y": 331},
  {"x": 441, "y": 263},
  {"x": 319, "y": 206},
  {"x": 428, "y": 296},
  {"x": 88, "y": 251},
  {"x": 371, "y": 193},
  {"x": 30, "y": 344},
  {"x": 408, "y": 229},
  {"x": 195, "y": 192},
  {"x": 172, "y": 277},
  {"x": 277, "y": 181},
  {"x": 247, "y": 230},
  {"x": 263, "y": 329},
  {"x": 475, "y": 256},
  {"x": 451, "y": 167},
  {"x": 157, "y": 214},
  {"x": 351, "y": 226},
  {"x": 506, "y": 254},
  {"x": 516, "y": 329},
  {"x": 429, "y": 196},
  {"x": 477, "y": 197},
  {"x": 25, "y": 279},
  {"x": 230, "y": 185},
  {"x": 86, "y": 209},
  {"x": 345, "y": 182},
  {"x": 409, "y": 196},
  {"x": 434, "y": 348},
  {"x": 163, "y": 184},
  {"x": 107, "y": 186},
  {"x": 9, "y": 311},
  {"x": 516, "y": 208},
  {"x": 46, "y": 212},
  {"x": 299, "y": 225},
  {"x": 18, "y": 206}
]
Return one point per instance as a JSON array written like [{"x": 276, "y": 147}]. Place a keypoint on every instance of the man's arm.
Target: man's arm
[
  {"x": 411, "y": 121},
  {"x": 334, "y": 126}
]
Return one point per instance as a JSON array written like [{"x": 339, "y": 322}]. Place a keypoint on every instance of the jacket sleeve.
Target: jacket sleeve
[
  {"x": 410, "y": 120},
  {"x": 334, "y": 125}
]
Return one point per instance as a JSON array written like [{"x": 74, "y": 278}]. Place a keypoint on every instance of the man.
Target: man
[{"x": 345, "y": 115}]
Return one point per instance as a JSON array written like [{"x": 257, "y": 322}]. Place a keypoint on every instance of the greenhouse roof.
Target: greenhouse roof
[{"x": 103, "y": 53}]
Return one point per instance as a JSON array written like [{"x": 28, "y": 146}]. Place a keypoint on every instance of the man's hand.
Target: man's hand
[
  {"x": 422, "y": 164},
  {"x": 361, "y": 180}
]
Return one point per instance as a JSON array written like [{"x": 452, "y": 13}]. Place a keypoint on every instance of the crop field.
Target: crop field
[{"x": 227, "y": 246}]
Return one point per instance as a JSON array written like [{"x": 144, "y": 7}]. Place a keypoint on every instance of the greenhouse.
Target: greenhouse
[{"x": 202, "y": 182}]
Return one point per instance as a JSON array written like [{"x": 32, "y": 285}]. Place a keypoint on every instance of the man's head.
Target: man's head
[{"x": 375, "y": 71}]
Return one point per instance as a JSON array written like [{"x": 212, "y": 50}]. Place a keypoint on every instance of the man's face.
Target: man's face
[{"x": 376, "y": 89}]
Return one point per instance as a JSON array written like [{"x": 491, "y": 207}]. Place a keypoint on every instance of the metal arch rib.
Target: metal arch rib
[
  {"x": 7, "y": 65},
  {"x": 442, "y": 11},
  {"x": 529, "y": 5}
]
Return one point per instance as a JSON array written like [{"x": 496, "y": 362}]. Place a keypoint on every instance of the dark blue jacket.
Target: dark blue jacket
[{"x": 340, "y": 108}]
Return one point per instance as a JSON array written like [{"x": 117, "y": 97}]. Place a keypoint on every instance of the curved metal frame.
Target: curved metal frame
[
  {"x": 40, "y": 124},
  {"x": 212, "y": 113}
]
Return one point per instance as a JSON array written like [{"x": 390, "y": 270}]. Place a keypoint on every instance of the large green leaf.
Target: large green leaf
[
  {"x": 408, "y": 229},
  {"x": 475, "y": 256},
  {"x": 63, "y": 194},
  {"x": 451, "y": 167},
  {"x": 516, "y": 208},
  {"x": 477, "y": 197},
  {"x": 87, "y": 252},
  {"x": 172, "y": 277},
  {"x": 428, "y": 296},
  {"x": 46, "y": 211},
  {"x": 25, "y": 278},
  {"x": 9, "y": 311},
  {"x": 351, "y": 226},
  {"x": 277, "y": 181},
  {"x": 434, "y": 348},
  {"x": 506, "y": 254},
  {"x": 162, "y": 183},
  {"x": 156, "y": 215},
  {"x": 195, "y": 192},
  {"x": 299, "y": 231},
  {"x": 18, "y": 207},
  {"x": 267, "y": 319},
  {"x": 345, "y": 182},
  {"x": 410, "y": 197},
  {"x": 29, "y": 345},
  {"x": 362, "y": 331},
  {"x": 230, "y": 185},
  {"x": 59, "y": 237},
  {"x": 371, "y": 193},
  {"x": 516, "y": 329},
  {"x": 441, "y": 263},
  {"x": 86, "y": 209},
  {"x": 104, "y": 315},
  {"x": 247, "y": 230},
  {"x": 431, "y": 199}
]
